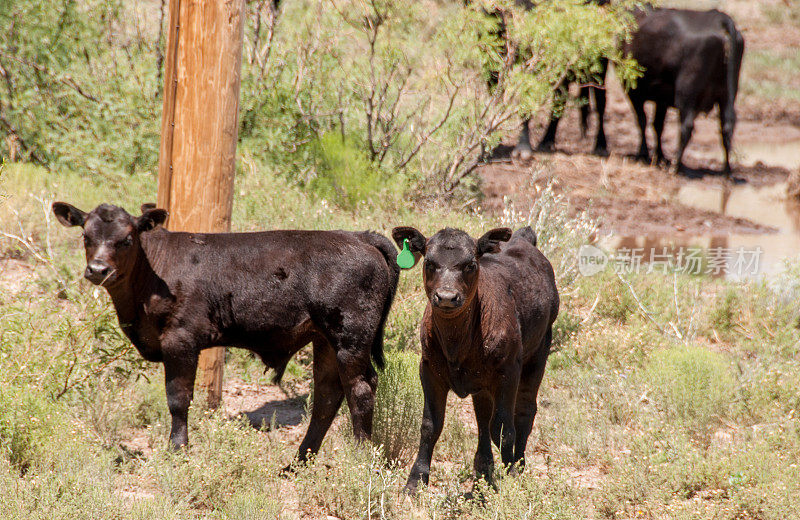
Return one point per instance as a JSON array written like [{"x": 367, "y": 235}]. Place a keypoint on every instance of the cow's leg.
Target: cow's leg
[
  {"x": 179, "y": 375},
  {"x": 505, "y": 405},
  {"x": 328, "y": 396},
  {"x": 523, "y": 150},
  {"x": 641, "y": 120},
  {"x": 526, "y": 407},
  {"x": 727, "y": 122},
  {"x": 547, "y": 144},
  {"x": 435, "y": 391},
  {"x": 360, "y": 381},
  {"x": 600, "y": 144},
  {"x": 658, "y": 126},
  {"x": 484, "y": 460},
  {"x": 687, "y": 127},
  {"x": 586, "y": 109}
]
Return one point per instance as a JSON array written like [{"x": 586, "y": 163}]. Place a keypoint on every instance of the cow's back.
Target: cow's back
[
  {"x": 527, "y": 277},
  {"x": 267, "y": 283},
  {"x": 684, "y": 55}
]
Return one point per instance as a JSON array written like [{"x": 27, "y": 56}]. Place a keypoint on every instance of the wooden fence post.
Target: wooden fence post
[{"x": 199, "y": 130}]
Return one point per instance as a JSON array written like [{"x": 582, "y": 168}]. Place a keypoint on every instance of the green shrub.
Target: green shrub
[
  {"x": 693, "y": 385},
  {"x": 25, "y": 427},
  {"x": 726, "y": 308},
  {"x": 252, "y": 506},
  {"x": 352, "y": 482},
  {"x": 226, "y": 458},
  {"x": 82, "y": 85},
  {"x": 398, "y": 407},
  {"x": 345, "y": 174}
]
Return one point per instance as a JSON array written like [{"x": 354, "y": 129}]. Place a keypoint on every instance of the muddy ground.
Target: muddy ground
[{"x": 631, "y": 198}]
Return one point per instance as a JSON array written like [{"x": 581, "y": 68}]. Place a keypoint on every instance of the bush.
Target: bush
[
  {"x": 227, "y": 458},
  {"x": 25, "y": 426},
  {"x": 345, "y": 175},
  {"x": 725, "y": 309},
  {"x": 693, "y": 385},
  {"x": 81, "y": 84},
  {"x": 353, "y": 482},
  {"x": 398, "y": 407}
]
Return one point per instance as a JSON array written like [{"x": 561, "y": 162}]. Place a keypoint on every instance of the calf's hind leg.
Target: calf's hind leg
[
  {"x": 359, "y": 381},
  {"x": 328, "y": 396},
  {"x": 727, "y": 122}
]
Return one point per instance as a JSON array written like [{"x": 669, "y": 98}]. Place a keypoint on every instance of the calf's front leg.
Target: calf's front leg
[
  {"x": 484, "y": 460},
  {"x": 435, "y": 391},
  {"x": 505, "y": 403},
  {"x": 179, "y": 375}
]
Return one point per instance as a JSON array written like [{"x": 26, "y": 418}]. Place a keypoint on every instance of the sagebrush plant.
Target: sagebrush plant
[
  {"x": 694, "y": 385},
  {"x": 398, "y": 407}
]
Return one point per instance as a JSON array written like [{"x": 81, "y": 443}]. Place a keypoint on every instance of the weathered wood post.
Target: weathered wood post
[{"x": 199, "y": 130}]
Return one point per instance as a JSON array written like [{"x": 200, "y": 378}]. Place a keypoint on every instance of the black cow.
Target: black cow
[
  {"x": 691, "y": 61},
  {"x": 486, "y": 332},
  {"x": 271, "y": 292}
]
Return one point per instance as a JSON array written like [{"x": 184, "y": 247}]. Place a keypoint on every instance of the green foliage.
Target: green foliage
[
  {"x": 693, "y": 385},
  {"x": 345, "y": 175},
  {"x": 226, "y": 461},
  {"x": 725, "y": 311},
  {"x": 24, "y": 426},
  {"x": 405, "y": 84},
  {"x": 80, "y": 84},
  {"x": 356, "y": 484},
  {"x": 398, "y": 407}
]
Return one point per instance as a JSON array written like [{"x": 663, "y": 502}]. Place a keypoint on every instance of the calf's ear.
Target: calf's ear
[
  {"x": 416, "y": 240},
  {"x": 68, "y": 215},
  {"x": 151, "y": 217},
  {"x": 147, "y": 205},
  {"x": 490, "y": 241}
]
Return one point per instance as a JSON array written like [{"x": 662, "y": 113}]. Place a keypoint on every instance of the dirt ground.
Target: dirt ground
[{"x": 631, "y": 198}]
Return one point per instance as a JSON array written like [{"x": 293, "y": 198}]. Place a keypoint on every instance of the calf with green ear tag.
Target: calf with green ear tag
[{"x": 485, "y": 333}]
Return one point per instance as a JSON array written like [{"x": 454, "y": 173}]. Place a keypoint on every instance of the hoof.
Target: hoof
[
  {"x": 522, "y": 153},
  {"x": 546, "y": 147},
  {"x": 410, "y": 490},
  {"x": 600, "y": 152}
]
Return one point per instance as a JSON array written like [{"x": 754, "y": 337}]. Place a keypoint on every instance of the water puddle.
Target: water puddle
[
  {"x": 765, "y": 205},
  {"x": 785, "y": 155}
]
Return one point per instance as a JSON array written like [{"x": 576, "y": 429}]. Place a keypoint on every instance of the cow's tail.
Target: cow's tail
[
  {"x": 389, "y": 252},
  {"x": 734, "y": 55}
]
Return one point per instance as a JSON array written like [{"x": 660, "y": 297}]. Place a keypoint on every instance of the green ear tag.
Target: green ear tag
[{"x": 405, "y": 259}]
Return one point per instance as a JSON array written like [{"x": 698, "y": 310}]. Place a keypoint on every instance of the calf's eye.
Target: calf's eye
[
  {"x": 128, "y": 240},
  {"x": 430, "y": 267},
  {"x": 470, "y": 267}
]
